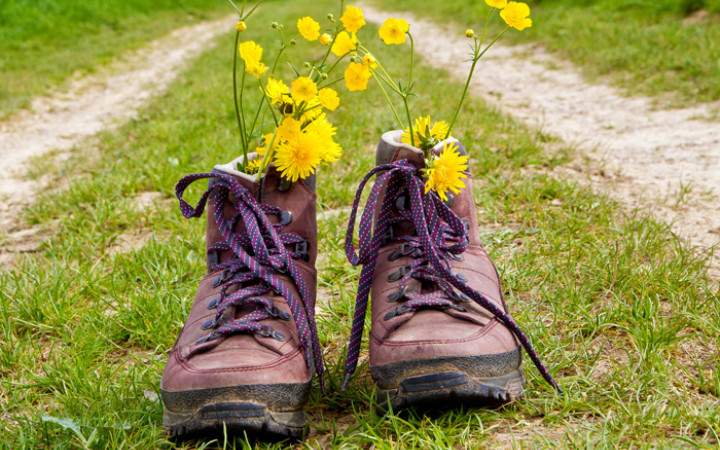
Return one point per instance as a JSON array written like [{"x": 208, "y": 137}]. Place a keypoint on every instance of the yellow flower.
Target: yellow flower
[
  {"x": 445, "y": 172},
  {"x": 312, "y": 109},
  {"x": 297, "y": 159},
  {"x": 329, "y": 98},
  {"x": 325, "y": 39},
  {"x": 344, "y": 43},
  {"x": 303, "y": 89},
  {"x": 289, "y": 130},
  {"x": 370, "y": 61},
  {"x": 240, "y": 26},
  {"x": 253, "y": 166},
  {"x": 357, "y": 76},
  {"x": 469, "y": 33},
  {"x": 425, "y": 133},
  {"x": 393, "y": 31},
  {"x": 325, "y": 131},
  {"x": 516, "y": 15},
  {"x": 309, "y": 29},
  {"x": 276, "y": 91},
  {"x": 499, "y": 4},
  {"x": 251, "y": 53},
  {"x": 353, "y": 19}
]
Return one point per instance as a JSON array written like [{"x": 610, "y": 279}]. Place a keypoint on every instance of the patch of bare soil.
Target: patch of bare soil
[
  {"x": 663, "y": 161},
  {"x": 92, "y": 104}
]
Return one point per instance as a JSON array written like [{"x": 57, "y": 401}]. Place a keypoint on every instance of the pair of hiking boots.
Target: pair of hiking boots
[{"x": 441, "y": 332}]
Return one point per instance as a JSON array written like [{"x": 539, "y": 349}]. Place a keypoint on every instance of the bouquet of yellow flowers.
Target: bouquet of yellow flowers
[{"x": 300, "y": 137}]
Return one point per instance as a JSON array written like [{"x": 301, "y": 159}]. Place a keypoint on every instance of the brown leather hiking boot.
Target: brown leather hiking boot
[
  {"x": 441, "y": 330},
  {"x": 246, "y": 356}
]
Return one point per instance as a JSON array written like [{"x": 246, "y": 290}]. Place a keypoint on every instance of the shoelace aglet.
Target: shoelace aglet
[{"x": 345, "y": 383}]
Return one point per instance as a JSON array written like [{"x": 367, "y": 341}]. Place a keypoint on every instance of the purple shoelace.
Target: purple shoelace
[
  {"x": 440, "y": 235},
  {"x": 259, "y": 253}
]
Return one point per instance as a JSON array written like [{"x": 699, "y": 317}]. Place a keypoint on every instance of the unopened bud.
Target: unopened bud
[
  {"x": 330, "y": 17},
  {"x": 323, "y": 76},
  {"x": 307, "y": 65},
  {"x": 280, "y": 27},
  {"x": 274, "y": 25},
  {"x": 292, "y": 42},
  {"x": 240, "y": 26},
  {"x": 469, "y": 33}
]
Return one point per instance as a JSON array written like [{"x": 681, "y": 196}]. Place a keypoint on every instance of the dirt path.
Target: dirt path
[
  {"x": 666, "y": 161},
  {"x": 92, "y": 104}
]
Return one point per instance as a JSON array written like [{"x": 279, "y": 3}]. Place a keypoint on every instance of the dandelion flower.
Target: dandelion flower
[
  {"x": 357, "y": 76},
  {"x": 445, "y": 172},
  {"x": 297, "y": 159},
  {"x": 344, "y": 43},
  {"x": 516, "y": 15},
  {"x": 329, "y": 98},
  {"x": 352, "y": 19},
  {"x": 309, "y": 28},
  {"x": 289, "y": 130},
  {"x": 425, "y": 133},
  {"x": 324, "y": 132},
  {"x": 325, "y": 39},
  {"x": 240, "y": 26},
  {"x": 303, "y": 89},
  {"x": 499, "y": 4},
  {"x": 393, "y": 31}
]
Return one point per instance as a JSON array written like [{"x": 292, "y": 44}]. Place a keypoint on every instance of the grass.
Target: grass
[
  {"x": 667, "y": 49},
  {"x": 620, "y": 310},
  {"x": 43, "y": 43}
]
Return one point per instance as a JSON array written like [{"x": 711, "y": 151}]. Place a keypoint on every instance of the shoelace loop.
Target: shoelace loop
[
  {"x": 434, "y": 225},
  {"x": 259, "y": 253}
]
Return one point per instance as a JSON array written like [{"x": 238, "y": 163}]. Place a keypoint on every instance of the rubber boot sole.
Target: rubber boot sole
[
  {"x": 486, "y": 380},
  {"x": 268, "y": 411}
]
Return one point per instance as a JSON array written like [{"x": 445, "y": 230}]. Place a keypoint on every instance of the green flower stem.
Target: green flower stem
[
  {"x": 387, "y": 97},
  {"x": 409, "y": 86},
  {"x": 282, "y": 49},
  {"x": 238, "y": 111},
  {"x": 267, "y": 100},
  {"x": 267, "y": 157},
  {"x": 476, "y": 58},
  {"x": 407, "y": 111},
  {"x": 330, "y": 83}
]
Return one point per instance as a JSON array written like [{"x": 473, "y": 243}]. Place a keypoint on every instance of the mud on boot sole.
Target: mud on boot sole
[
  {"x": 236, "y": 418},
  {"x": 485, "y": 380},
  {"x": 273, "y": 411}
]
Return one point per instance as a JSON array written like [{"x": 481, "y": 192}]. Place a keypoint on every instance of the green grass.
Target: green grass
[
  {"x": 618, "y": 308},
  {"x": 657, "y": 48},
  {"x": 42, "y": 43}
]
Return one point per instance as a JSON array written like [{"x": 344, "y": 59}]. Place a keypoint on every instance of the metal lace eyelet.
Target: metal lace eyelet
[
  {"x": 456, "y": 256},
  {"x": 396, "y": 276},
  {"x": 402, "y": 202},
  {"x": 461, "y": 277},
  {"x": 210, "y": 337},
  {"x": 225, "y": 276},
  {"x": 209, "y": 324},
  {"x": 269, "y": 332},
  {"x": 285, "y": 218},
  {"x": 214, "y": 303}
]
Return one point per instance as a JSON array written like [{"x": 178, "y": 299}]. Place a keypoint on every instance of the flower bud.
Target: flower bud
[
  {"x": 307, "y": 65},
  {"x": 240, "y": 26},
  {"x": 280, "y": 27},
  {"x": 323, "y": 76},
  {"x": 274, "y": 25},
  {"x": 330, "y": 17},
  {"x": 292, "y": 42},
  {"x": 325, "y": 39},
  {"x": 469, "y": 33}
]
